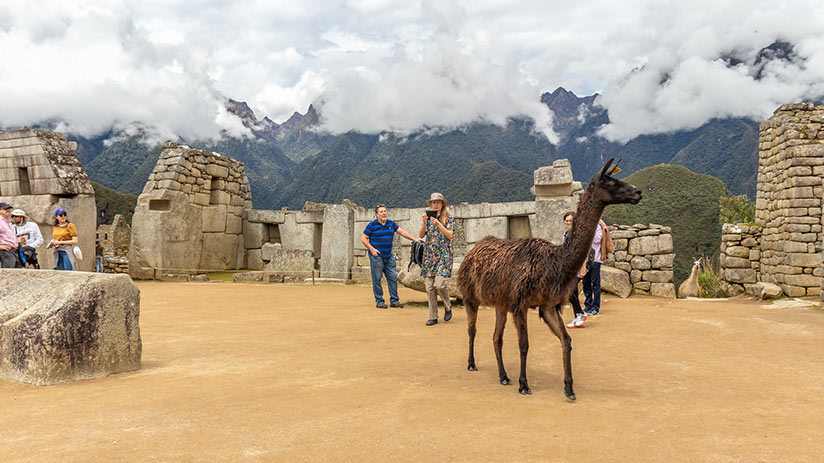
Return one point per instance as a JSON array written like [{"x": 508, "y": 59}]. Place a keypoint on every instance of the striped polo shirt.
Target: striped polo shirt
[{"x": 381, "y": 236}]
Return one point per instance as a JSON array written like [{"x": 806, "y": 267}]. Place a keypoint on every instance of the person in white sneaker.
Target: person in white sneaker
[{"x": 580, "y": 315}]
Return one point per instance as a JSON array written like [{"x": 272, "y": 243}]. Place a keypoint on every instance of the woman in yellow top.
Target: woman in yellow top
[{"x": 64, "y": 237}]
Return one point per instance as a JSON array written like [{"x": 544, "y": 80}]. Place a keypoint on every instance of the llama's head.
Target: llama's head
[
  {"x": 696, "y": 263},
  {"x": 610, "y": 190}
]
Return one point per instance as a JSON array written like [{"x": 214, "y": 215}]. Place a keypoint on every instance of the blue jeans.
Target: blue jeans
[
  {"x": 99, "y": 265},
  {"x": 592, "y": 289},
  {"x": 384, "y": 266},
  {"x": 63, "y": 261}
]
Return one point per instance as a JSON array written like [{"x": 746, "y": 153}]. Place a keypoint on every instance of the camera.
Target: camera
[{"x": 432, "y": 214}]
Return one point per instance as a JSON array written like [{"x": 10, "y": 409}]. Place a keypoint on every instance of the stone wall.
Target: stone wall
[
  {"x": 40, "y": 173},
  {"x": 740, "y": 258},
  {"x": 788, "y": 208},
  {"x": 115, "y": 237},
  {"x": 189, "y": 218},
  {"x": 644, "y": 253},
  {"x": 472, "y": 223}
]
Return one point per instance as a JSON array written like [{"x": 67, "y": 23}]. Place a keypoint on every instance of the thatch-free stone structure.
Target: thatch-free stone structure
[
  {"x": 40, "y": 173},
  {"x": 58, "y": 326},
  {"x": 784, "y": 245},
  {"x": 190, "y": 215}
]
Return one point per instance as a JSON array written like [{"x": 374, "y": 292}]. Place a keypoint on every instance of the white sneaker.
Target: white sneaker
[{"x": 578, "y": 321}]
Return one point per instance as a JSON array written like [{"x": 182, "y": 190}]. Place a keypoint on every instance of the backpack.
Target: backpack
[{"x": 416, "y": 254}]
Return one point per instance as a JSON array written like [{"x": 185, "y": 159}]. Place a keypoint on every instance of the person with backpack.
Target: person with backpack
[
  {"x": 601, "y": 247},
  {"x": 29, "y": 237}
]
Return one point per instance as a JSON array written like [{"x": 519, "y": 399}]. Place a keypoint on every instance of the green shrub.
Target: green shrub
[{"x": 709, "y": 277}]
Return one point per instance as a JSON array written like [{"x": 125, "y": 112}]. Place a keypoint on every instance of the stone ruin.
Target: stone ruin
[
  {"x": 40, "y": 173},
  {"x": 784, "y": 245},
  {"x": 189, "y": 217},
  {"x": 116, "y": 239},
  {"x": 323, "y": 241}
]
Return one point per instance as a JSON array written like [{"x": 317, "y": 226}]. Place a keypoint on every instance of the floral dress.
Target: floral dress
[{"x": 437, "y": 257}]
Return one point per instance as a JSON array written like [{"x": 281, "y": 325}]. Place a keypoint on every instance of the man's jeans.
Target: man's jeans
[
  {"x": 592, "y": 289},
  {"x": 384, "y": 266},
  {"x": 99, "y": 264}
]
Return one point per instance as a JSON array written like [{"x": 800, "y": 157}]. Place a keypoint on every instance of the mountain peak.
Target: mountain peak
[{"x": 566, "y": 106}]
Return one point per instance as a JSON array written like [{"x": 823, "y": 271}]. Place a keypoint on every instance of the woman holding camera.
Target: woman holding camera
[{"x": 437, "y": 227}]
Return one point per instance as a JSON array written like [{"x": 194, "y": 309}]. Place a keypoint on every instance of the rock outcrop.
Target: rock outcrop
[{"x": 58, "y": 326}]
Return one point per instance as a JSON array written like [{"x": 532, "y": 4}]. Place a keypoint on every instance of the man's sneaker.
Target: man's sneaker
[
  {"x": 578, "y": 321},
  {"x": 396, "y": 305},
  {"x": 382, "y": 305}
]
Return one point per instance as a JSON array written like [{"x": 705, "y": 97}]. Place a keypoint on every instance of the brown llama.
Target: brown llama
[
  {"x": 513, "y": 275},
  {"x": 690, "y": 287}
]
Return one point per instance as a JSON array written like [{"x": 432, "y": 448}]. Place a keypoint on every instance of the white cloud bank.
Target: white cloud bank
[{"x": 392, "y": 65}]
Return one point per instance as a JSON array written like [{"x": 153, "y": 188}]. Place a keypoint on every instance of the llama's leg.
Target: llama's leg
[
  {"x": 523, "y": 345},
  {"x": 552, "y": 317},
  {"x": 471, "y": 318},
  {"x": 497, "y": 343}
]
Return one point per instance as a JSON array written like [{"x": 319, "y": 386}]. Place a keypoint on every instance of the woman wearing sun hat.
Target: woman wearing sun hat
[
  {"x": 437, "y": 257},
  {"x": 64, "y": 237}
]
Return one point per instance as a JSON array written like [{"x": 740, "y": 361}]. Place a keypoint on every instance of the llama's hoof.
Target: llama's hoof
[
  {"x": 506, "y": 381},
  {"x": 570, "y": 395},
  {"x": 525, "y": 390},
  {"x": 472, "y": 367}
]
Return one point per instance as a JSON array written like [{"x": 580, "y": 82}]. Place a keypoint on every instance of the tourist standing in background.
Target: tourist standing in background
[
  {"x": 580, "y": 316},
  {"x": 98, "y": 256},
  {"x": 437, "y": 258},
  {"x": 601, "y": 247},
  {"x": 28, "y": 237},
  {"x": 9, "y": 257},
  {"x": 64, "y": 237},
  {"x": 377, "y": 238}
]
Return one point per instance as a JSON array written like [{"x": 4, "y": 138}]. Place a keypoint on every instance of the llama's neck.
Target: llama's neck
[
  {"x": 694, "y": 274},
  {"x": 579, "y": 240}
]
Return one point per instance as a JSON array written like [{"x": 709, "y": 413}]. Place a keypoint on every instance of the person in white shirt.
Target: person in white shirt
[{"x": 28, "y": 235}]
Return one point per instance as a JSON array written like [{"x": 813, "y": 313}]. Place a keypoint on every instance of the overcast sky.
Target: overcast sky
[{"x": 399, "y": 65}]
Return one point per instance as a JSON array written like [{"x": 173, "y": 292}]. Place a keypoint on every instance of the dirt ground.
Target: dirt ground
[{"x": 235, "y": 372}]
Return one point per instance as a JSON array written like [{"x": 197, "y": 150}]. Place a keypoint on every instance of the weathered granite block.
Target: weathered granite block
[
  {"x": 337, "y": 242},
  {"x": 615, "y": 281},
  {"x": 60, "y": 326}
]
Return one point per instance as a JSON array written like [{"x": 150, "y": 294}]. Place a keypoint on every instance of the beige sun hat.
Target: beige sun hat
[
  {"x": 436, "y": 197},
  {"x": 18, "y": 213}
]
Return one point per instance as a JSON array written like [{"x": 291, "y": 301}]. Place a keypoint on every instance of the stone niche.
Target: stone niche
[
  {"x": 60, "y": 326},
  {"x": 189, "y": 218},
  {"x": 40, "y": 173}
]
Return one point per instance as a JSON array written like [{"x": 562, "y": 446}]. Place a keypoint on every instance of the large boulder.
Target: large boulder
[
  {"x": 615, "y": 281},
  {"x": 59, "y": 326}
]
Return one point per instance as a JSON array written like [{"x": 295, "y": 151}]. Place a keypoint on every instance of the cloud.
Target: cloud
[
  {"x": 443, "y": 84},
  {"x": 392, "y": 65}
]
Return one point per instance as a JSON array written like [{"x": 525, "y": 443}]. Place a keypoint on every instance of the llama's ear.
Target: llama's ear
[
  {"x": 615, "y": 169},
  {"x": 603, "y": 172}
]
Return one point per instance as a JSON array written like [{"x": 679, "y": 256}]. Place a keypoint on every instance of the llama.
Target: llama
[
  {"x": 513, "y": 275},
  {"x": 690, "y": 286}
]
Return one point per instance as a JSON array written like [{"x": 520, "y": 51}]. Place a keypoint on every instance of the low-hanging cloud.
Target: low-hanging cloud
[
  {"x": 165, "y": 69},
  {"x": 443, "y": 85}
]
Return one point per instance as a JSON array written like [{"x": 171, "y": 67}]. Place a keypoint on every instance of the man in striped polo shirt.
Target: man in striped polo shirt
[{"x": 377, "y": 238}]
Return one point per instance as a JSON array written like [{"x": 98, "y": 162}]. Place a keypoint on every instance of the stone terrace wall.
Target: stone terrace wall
[
  {"x": 472, "y": 222},
  {"x": 644, "y": 252},
  {"x": 788, "y": 201},
  {"x": 740, "y": 258},
  {"x": 40, "y": 173},
  {"x": 189, "y": 217}
]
